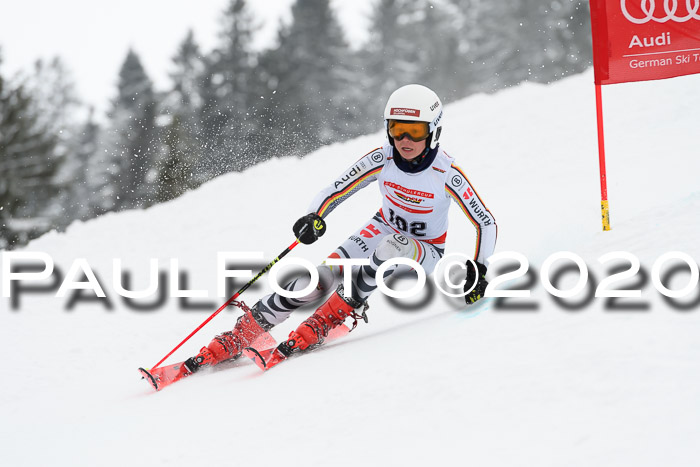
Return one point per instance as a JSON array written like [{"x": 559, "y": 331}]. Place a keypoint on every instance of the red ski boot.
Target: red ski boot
[
  {"x": 326, "y": 322},
  {"x": 330, "y": 315},
  {"x": 228, "y": 345}
]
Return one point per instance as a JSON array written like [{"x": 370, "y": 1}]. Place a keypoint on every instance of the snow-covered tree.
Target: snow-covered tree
[
  {"x": 28, "y": 164},
  {"x": 60, "y": 112},
  {"x": 314, "y": 78},
  {"x": 510, "y": 42},
  {"x": 227, "y": 94},
  {"x": 414, "y": 42},
  {"x": 185, "y": 98},
  {"x": 79, "y": 197},
  {"x": 181, "y": 144},
  {"x": 391, "y": 54},
  {"x": 442, "y": 63},
  {"x": 176, "y": 166},
  {"x": 125, "y": 171}
]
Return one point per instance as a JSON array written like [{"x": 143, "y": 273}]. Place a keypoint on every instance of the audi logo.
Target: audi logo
[{"x": 648, "y": 9}]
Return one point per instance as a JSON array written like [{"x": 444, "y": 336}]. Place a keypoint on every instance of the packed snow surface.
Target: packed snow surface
[{"x": 581, "y": 381}]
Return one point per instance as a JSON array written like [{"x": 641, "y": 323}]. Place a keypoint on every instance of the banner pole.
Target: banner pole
[{"x": 601, "y": 159}]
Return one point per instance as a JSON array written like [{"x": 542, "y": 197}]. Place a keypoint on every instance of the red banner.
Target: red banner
[{"x": 639, "y": 40}]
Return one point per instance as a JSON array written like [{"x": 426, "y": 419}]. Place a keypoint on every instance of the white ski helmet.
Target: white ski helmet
[{"x": 416, "y": 103}]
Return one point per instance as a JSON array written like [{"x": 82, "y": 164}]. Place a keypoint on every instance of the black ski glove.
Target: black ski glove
[
  {"x": 480, "y": 287},
  {"x": 308, "y": 228}
]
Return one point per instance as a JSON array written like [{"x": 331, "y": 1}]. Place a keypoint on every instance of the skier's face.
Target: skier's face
[{"x": 409, "y": 149}]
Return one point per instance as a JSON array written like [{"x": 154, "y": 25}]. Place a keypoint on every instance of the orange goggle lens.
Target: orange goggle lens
[{"x": 416, "y": 131}]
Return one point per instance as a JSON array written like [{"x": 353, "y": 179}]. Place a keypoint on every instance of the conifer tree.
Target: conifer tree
[
  {"x": 28, "y": 164},
  {"x": 314, "y": 79},
  {"x": 58, "y": 108},
  {"x": 438, "y": 44},
  {"x": 177, "y": 164},
  {"x": 79, "y": 195},
  {"x": 510, "y": 42},
  {"x": 181, "y": 144},
  {"x": 227, "y": 94},
  {"x": 185, "y": 97},
  {"x": 390, "y": 54},
  {"x": 132, "y": 140},
  {"x": 573, "y": 30}
]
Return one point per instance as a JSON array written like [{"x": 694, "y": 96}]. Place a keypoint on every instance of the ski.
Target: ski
[
  {"x": 277, "y": 353},
  {"x": 271, "y": 355},
  {"x": 165, "y": 375},
  {"x": 161, "y": 377},
  {"x": 259, "y": 357}
]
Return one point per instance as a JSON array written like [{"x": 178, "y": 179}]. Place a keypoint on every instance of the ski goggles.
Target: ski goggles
[{"x": 416, "y": 131}]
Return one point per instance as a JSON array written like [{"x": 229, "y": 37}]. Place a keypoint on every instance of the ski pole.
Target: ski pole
[{"x": 230, "y": 300}]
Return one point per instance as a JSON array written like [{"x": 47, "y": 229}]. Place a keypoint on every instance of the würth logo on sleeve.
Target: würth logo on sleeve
[{"x": 403, "y": 112}]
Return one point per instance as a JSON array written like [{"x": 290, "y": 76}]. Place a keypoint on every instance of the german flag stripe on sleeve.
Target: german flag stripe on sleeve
[
  {"x": 467, "y": 179},
  {"x": 463, "y": 207},
  {"x": 346, "y": 191}
]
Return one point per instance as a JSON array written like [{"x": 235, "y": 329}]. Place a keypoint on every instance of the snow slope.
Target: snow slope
[{"x": 439, "y": 385}]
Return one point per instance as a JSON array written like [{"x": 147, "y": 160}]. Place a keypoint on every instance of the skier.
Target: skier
[{"x": 417, "y": 181}]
